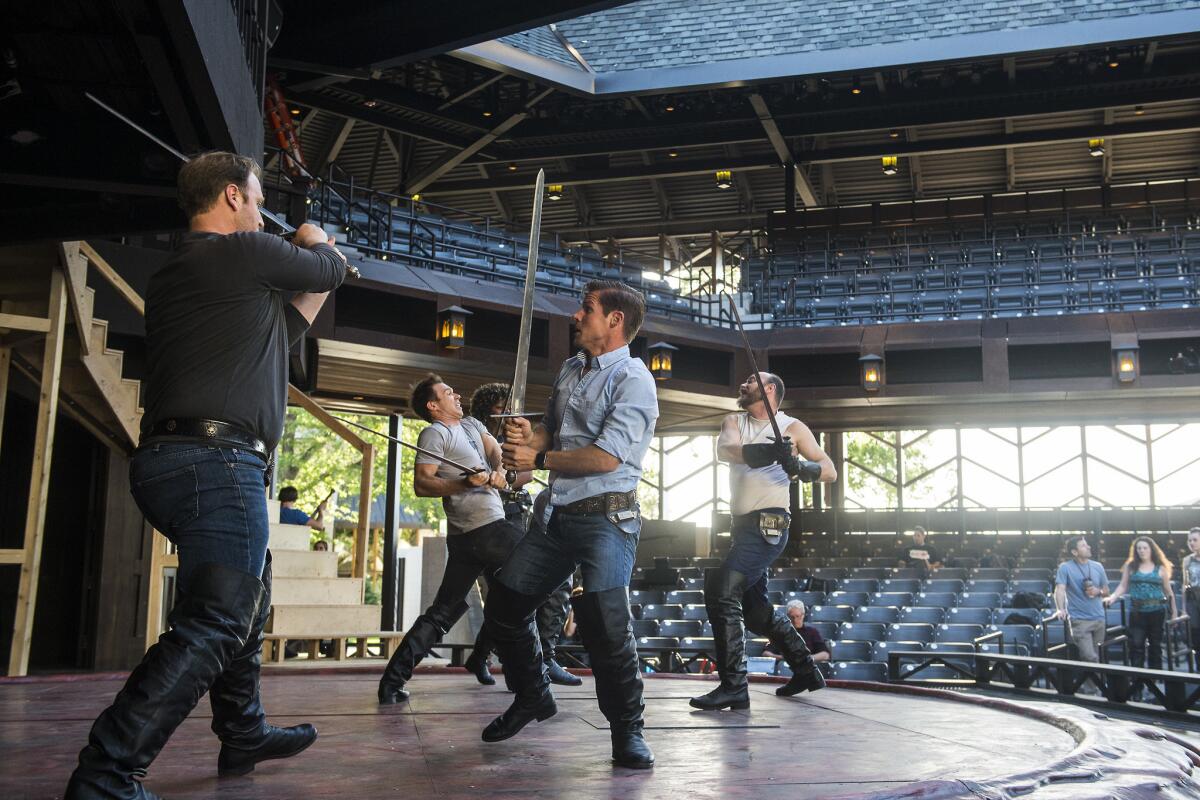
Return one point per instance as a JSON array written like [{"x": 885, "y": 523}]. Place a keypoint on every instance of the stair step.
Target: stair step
[
  {"x": 306, "y": 620},
  {"x": 272, "y": 509},
  {"x": 289, "y": 537},
  {"x": 317, "y": 591},
  {"x": 304, "y": 564}
]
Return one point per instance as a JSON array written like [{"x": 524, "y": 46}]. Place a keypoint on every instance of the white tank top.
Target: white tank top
[{"x": 765, "y": 487}]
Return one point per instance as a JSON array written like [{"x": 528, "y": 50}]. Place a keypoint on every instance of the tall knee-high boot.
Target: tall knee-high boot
[
  {"x": 478, "y": 663},
  {"x": 785, "y": 640},
  {"x": 508, "y": 617},
  {"x": 238, "y": 716},
  {"x": 426, "y": 632},
  {"x": 723, "y": 589},
  {"x": 209, "y": 626},
  {"x": 605, "y": 625},
  {"x": 551, "y": 617}
]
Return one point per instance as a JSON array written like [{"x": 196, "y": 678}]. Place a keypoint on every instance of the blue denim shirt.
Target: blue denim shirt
[{"x": 614, "y": 406}]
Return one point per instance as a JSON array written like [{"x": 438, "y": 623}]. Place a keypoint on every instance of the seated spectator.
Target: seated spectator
[
  {"x": 1146, "y": 577},
  {"x": 921, "y": 553},
  {"x": 796, "y": 611},
  {"x": 290, "y": 515},
  {"x": 1191, "y": 587}
]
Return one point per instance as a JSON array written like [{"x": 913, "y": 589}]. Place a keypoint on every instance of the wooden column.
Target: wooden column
[
  {"x": 39, "y": 480},
  {"x": 5, "y": 363},
  {"x": 364, "y": 512}
]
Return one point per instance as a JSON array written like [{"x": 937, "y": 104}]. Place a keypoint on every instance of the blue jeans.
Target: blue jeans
[
  {"x": 545, "y": 558},
  {"x": 751, "y": 555},
  {"x": 209, "y": 501}
]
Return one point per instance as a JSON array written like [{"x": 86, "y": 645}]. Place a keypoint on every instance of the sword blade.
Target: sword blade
[
  {"x": 466, "y": 470},
  {"x": 516, "y": 391},
  {"x": 737, "y": 318}
]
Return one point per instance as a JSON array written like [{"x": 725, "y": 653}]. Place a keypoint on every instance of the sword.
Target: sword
[
  {"x": 737, "y": 318},
  {"x": 466, "y": 470},
  {"x": 516, "y": 391},
  {"x": 269, "y": 215}
]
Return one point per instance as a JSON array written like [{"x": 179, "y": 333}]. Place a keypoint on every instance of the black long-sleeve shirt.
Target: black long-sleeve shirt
[{"x": 218, "y": 326}]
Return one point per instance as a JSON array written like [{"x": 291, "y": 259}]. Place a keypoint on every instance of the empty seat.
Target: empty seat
[
  {"x": 949, "y": 573},
  {"x": 862, "y": 631},
  {"x": 906, "y": 573},
  {"x": 884, "y": 614},
  {"x": 923, "y": 614},
  {"x": 970, "y": 616},
  {"x": 831, "y": 613},
  {"x": 644, "y": 627},
  {"x": 788, "y": 573},
  {"x": 986, "y": 600},
  {"x": 958, "y": 632},
  {"x": 880, "y": 650},
  {"x": 645, "y": 596},
  {"x": 897, "y": 599},
  {"x": 684, "y": 596},
  {"x": 1035, "y": 586},
  {"x": 850, "y": 650},
  {"x": 910, "y": 585},
  {"x": 1001, "y": 615},
  {"x": 989, "y": 573},
  {"x": 910, "y": 632},
  {"x": 937, "y": 599},
  {"x": 916, "y": 672},
  {"x": 998, "y": 585},
  {"x": 695, "y": 611},
  {"x": 840, "y": 598},
  {"x": 860, "y": 671},
  {"x": 663, "y": 611},
  {"x": 1024, "y": 635},
  {"x": 809, "y": 599},
  {"x": 868, "y": 585},
  {"x": 680, "y": 627},
  {"x": 873, "y": 572},
  {"x": 782, "y": 585},
  {"x": 943, "y": 585}
]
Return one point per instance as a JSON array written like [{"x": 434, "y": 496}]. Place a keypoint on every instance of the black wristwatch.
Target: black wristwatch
[{"x": 539, "y": 461}]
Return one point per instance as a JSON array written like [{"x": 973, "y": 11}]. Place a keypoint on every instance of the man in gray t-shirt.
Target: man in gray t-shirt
[{"x": 479, "y": 538}]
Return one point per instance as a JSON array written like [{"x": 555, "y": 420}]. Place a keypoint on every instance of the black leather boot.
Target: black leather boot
[
  {"x": 723, "y": 589},
  {"x": 477, "y": 663},
  {"x": 551, "y": 617},
  {"x": 210, "y": 624},
  {"x": 785, "y": 640},
  {"x": 238, "y": 716},
  {"x": 426, "y": 632},
  {"x": 508, "y": 616},
  {"x": 605, "y": 626}
]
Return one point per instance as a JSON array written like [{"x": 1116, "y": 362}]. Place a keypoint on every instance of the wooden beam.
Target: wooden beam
[
  {"x": 39, "y": 481},
  {"x": 328, "y": 420},
  {"x": 5, "y": 364},
  {"x": 804, "y": 189},
  {"x": 106, "y": 270},
  {"x": 23, "y": 322},
  {"x": 12, "y": 556},
  {"x": 364, "y": 513},
  {"x": 75, "y": 268}
]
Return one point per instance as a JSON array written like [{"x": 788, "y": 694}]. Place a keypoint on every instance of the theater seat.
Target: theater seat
[
  {"x": 859, "y": 671},
  {"x": 850, "y": 650}
]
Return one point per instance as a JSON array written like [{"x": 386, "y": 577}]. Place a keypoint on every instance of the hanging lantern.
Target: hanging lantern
[
  {"x": 724, "y": 178},
  {"x": 872, "y": 372},
  {"x": 1125, "y": 361},
  {"x": 554, "y": 191},
  {"x": 660, "y": 360},
  {"x": 891, "y": 165},
  {"x": 452, "y": 327}
]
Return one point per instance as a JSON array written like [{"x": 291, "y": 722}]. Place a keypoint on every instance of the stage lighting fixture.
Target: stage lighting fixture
[
  {"x": 1110, "y": 58},
  {"x": 554, "y": 191},
  {"x": 487, "y": 112},
  {"x": 891, "y": 165},
  {"x": 669, "y": 107},
  {"x": 1138, "y": 111},
  {"x": 295, "y": 112},
  {"x": 724, "y": 178},
  {"x": 1125, "y": 359},
  {"x": 672, "y": 154},
  {"x": 855, "y": 86},
  {"x": 452, "y": 327},
  {"x": 416, "y": 198},
  {"x": 512, "y": 167},
  {"x": 872, "y": 372},
  {"x": 893, "y": 134},
  {"x": 370, "y": 103},
  {"x": 660, "y": 360},
  {"x": 1096, "y": 147}
]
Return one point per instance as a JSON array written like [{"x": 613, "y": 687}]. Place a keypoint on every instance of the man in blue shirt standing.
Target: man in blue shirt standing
[
  {"x": 1079, "y": 589},
  {"x": 290, "y": 515},
  {"x": 598, "y": 425}
]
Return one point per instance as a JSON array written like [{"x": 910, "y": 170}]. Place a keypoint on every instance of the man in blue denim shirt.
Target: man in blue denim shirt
[
  {"x": 217, "y": 332},
  {"x": 598, "y": 425}
]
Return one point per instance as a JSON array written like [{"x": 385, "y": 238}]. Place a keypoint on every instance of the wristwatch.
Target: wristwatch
[{"x": 539, "y": 461}]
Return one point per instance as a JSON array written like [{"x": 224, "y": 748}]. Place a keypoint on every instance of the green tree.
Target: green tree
[
  {"x": 871, "y": 468},
  {"x": 315, "y": 460}
]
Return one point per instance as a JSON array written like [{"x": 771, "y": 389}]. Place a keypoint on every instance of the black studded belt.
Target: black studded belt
[
  {"x": 606, "y": 503},
  {"x": 208, "y": 430}
]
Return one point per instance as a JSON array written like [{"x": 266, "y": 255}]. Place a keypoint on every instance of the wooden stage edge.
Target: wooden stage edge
[{"x": 852, "y": 740}]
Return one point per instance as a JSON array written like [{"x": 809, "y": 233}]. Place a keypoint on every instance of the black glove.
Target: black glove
[
  {"x": 762, "y": 454},
  {"x": 783, "y": 450},
  {"x": 806, "y": 471}
]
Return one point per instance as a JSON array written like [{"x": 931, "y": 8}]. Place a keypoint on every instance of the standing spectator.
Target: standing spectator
[
  {"x": 1191, "y": 590},
  {"x": 1146, "y": 577},
  {"x": 1079, "y": 589},
  {"x": 290, "y": 515},
  {"x": 921, "y": 553}
]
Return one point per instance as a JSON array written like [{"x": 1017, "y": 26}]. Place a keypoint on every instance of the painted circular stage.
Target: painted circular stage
[{"x": 850, "y": 740}]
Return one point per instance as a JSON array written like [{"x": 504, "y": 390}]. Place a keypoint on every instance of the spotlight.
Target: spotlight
[
  {"x": 1138, "y": 111},
  {"x": 554, "y": 191},
  {"x": 512, "y": 167},
  {"x": 855, "y": 86},
  {"x": 669, "y": 107},
  {"x": 672, "y": 154},
  {"x": 295, "y": 112},
  {"x": 891, "y": 165},
  {"x": 1096, "y": 147},
  {"x": 893, "y": 134},
  {"x": 487, "y": 113},
  {"x": 1110, "y": 58},
  {"x": 724, "y": 178},
  {"x": 370, "y": 103}
]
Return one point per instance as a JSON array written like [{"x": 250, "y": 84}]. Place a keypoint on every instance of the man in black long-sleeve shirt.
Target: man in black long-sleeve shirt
[{"x": 218, "y": 324}]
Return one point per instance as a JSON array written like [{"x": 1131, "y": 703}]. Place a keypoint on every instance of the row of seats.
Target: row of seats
[{"x": 692, "y": 620}]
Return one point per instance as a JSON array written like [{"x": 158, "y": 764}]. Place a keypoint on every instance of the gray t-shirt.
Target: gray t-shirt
[
  {"x": 463, "y": 443},
  {"x": 1072, "y": 574}
]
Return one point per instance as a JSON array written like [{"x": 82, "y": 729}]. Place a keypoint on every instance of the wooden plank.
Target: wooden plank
[
  {"x": 39, "y": 481},
  {"x": 12, "y": 556},
  {"x": 75, "y": 268},
  {"x": 5, "y": 364},
  {"x": 106, "y": 270},
  {"x": 24, "y": 322},
  {"x": 328, "y": 420},
  {"x": 364, "y": 513}
]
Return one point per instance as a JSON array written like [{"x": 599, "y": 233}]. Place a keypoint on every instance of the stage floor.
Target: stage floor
[{"x": 845, "y": 741}]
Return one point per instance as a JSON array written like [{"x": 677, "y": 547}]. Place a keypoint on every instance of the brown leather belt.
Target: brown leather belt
[
  {"x": 602, "y": 503},
  {"x": 208, "y": 430}
]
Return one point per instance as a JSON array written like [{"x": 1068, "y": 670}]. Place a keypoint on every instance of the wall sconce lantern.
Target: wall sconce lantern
[
  {"x": 1096, "y": 147},
  {"x": 1125, "y": 362},
  {"x": 554, "y": 191},
  {"x": 452, "y": 327},
  {"x": 660, "y": 360},
  {"x": 872, "y": 372},
  {"x": 724, "y": 178},
  {"x": 891, "y": 165}
]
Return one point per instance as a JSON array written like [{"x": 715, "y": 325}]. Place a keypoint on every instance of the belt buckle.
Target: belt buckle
[{"x": 210, "y": 430}]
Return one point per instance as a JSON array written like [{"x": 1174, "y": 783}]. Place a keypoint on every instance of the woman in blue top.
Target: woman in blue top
[{"x": 1146, "y": 577}]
